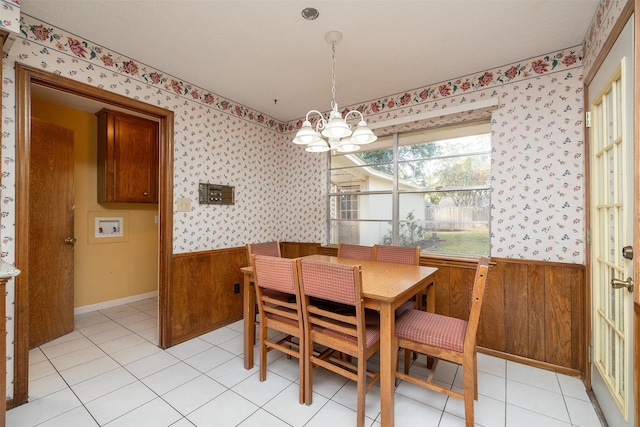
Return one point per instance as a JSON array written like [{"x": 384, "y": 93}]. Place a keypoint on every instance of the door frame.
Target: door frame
[
  {"x": 636, "y": 214},
  {"x": 25, "y": 78},
  {"x": 625, "y": 15}
]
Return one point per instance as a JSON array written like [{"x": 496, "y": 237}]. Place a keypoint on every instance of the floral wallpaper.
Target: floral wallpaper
[
  {"x": 10, "y": 15},
  {"x": 537, "y": 173}
]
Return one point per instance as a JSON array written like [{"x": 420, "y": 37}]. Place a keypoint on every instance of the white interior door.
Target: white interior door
[{"x": 611, "y": 176}]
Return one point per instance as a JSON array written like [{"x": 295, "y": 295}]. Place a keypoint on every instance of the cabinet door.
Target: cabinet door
[
  {"x": 135, "y": 160},
  {"x": 127, "y": 158}
]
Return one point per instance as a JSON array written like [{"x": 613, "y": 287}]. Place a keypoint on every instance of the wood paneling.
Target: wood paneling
[
  {"x": 297, "y": 249},
  {"x": 491, "y": 332},
  {"x": 533, "y": 311},
  {"x": 202, "y": 296},
  {"x": 536, "y": 314},
  {"x": 516, "y": 309}
]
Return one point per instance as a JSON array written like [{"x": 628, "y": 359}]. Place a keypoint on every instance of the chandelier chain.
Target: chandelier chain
[{"x": 333, "y": 76}]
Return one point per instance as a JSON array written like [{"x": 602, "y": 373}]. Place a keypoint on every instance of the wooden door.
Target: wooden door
[{"x": 50, "y": 268}]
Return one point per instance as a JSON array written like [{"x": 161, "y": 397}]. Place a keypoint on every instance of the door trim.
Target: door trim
[
  {"x": 25, "y": 77},
  {"x": 636, "y": 213}
]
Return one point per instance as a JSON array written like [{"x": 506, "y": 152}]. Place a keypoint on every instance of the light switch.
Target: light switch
[{"x": 184, "y": 204}]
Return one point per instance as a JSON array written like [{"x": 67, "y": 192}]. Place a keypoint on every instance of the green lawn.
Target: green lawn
[{"x": 462, "y": 242}]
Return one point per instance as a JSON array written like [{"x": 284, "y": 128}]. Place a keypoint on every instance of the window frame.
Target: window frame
[{"x": 395, "y": 192}]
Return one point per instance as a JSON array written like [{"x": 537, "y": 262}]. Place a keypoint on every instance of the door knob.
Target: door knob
[
  {"x": 617, "y": 283},
  {"x": 70, "y": 241}
]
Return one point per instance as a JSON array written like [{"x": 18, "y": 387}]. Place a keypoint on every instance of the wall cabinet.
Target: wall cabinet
[{"x": 127, "y": 158}]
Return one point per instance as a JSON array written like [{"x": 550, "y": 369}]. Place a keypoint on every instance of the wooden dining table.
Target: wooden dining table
[{"x": 385, "y": 287}]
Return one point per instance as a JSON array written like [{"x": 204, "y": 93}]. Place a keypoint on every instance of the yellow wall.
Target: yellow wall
[{"x": 104, "y": 271}]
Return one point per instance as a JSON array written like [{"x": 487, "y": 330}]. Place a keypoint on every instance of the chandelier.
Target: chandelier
[{"x": 335, "y": 133}]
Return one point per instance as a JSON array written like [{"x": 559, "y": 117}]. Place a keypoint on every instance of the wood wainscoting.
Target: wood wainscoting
[
  {"x": 533, "y": 311},
  {"x": 203, "y": 294}
]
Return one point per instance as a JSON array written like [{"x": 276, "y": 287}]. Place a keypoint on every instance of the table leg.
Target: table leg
[
  {"x": 249, "y": 317},
  {"x": 388, "y": 360},
  {"x": 431, "y": 298}
]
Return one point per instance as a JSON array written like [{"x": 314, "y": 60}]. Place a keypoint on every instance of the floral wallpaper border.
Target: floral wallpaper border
[
  {"x": 512, "y": 73},
  {"x": 605, "y": 17},
  {"x": 109, "y": 61}
]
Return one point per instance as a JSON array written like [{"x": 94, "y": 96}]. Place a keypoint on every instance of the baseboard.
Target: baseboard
[{"x": 114, "y": 302}]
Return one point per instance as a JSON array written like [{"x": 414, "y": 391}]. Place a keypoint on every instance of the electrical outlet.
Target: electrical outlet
[{"x": 236, "y": 288}]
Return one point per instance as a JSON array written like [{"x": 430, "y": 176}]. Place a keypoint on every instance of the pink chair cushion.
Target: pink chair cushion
[{"x": 432, "y": 329}]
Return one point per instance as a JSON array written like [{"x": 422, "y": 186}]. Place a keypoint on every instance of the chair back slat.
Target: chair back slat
[
  {"x": 332, "y": 282},
  {"x": 397, "y": 254},
  {"x": 346, "y": 250},
  {"x": 266, "y": 248}
]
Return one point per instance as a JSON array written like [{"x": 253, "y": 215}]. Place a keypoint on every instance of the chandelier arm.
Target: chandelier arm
[
  {"x": 354, "y": 112},
  {"x": 320, "y": 124}
]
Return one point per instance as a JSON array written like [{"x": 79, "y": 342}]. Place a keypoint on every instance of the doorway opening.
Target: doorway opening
[{"x": 26, "y": 78}]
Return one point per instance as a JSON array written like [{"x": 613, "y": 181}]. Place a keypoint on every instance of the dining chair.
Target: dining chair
[
  {"x": 446, "y": 338},
  {"x": 398, "y": 254},
  {"x": 409, "y": 255},
  {"x": 346, "y": 250},
  {"x": 266, "y": 248},
  {"x": 337, "y": 334},
  {"x": 282, "y": 276}
]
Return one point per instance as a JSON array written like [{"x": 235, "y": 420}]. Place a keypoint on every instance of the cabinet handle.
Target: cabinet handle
[{"x": 145, "y": 194}]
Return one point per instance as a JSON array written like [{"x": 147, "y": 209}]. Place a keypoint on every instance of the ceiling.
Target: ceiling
[{"x": 265, "y": 55}]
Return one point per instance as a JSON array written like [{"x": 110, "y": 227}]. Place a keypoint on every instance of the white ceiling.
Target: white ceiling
[{"x": 256, "y": 52}]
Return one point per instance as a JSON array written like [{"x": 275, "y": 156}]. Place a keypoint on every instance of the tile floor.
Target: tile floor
[{"x": 109, "y": 372}]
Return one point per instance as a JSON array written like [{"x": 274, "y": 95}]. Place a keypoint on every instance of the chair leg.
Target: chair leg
[
  {"x": 301, "y": 370},
  {"x": 263, "y": 351},
  {"x": 407, "y": 360},
  {"x": 475, "y": 374},
  {"x": 470, "y": 386},
  {"x": 308, "y": 371},
  {"x": 362, "y": 390}
]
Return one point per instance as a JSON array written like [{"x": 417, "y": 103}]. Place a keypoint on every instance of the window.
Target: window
[{"x": 428, "y": 188}]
